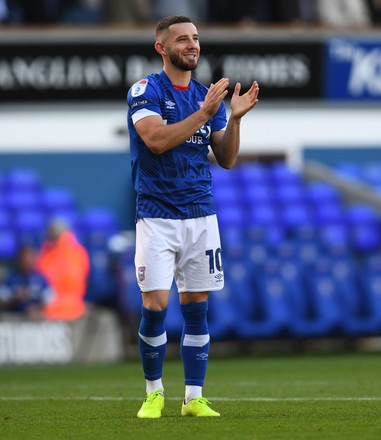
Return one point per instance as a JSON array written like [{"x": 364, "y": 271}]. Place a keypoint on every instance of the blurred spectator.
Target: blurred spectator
[
  {"x": 308, "y": 11},
  {"x": 195, "y": 9},
  {"x": 256, "y": 11},
  {"x": 65, "y": 264},
  {"x": 36, "y": 11},
  {"x": 341, "y": 13},
  {"x": 375, "y": 11},
  {"x": 82, "y": 11},
  {"x": 3, "y": 11},
  {"x": 130, "y": 11},
  {"x": 25, "y": 290}
]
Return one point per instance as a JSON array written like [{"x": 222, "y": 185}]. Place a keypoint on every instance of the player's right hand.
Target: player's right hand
[{"x": 216, "y": 93}]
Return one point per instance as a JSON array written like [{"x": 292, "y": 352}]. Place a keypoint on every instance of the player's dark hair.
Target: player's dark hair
[{"x": 164, "y": 23}]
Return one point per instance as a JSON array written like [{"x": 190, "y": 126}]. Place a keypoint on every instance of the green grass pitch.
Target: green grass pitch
[{"x": 302, "y": 397}]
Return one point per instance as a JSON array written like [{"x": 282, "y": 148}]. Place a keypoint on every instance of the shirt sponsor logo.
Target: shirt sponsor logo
[
  {"x": 139, "y": 103},
  {"x": 139, "y": 88}
]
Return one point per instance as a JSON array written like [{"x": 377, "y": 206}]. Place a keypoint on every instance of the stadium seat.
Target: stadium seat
[
  {"x": 290, "y": 193},
  {"x": 30, "y": 227},
  {"x": 251, "y": 174},
  {"x": 320, "y": 193},
  {"x": 22, "y": 179},
  {"x": 226, "y": 195},
  {"x": 329, "y": 213},
  {"x": 365, "y": 238},
  {"x": 231, "y": 216},
  {"x": 98, "y": 225},
  {"x": 222, "y": 314},
  {"x": 281, "y": 174},
  {"x": 5, "y": 220},
  {"x": 257, "y": 194},
  {"x": 295, "y": 215},
  {"x": 322, "y": 315},
  {"x": 8, "y": 245},
  {"x": 271, "y": 317},
  {"x": 17, "y": 201},
  {"x": 57, "y": 199},
  {"x": 362, "y": 214},
  {"x": 367, "y": 320},
  {"x": 221, "y": 176}
]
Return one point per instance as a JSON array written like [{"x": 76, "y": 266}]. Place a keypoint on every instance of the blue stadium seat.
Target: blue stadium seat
[
  {"x": 281, "y": 174},
  {"x": 221, "y": 176},
  {"x": 366, "y": 238},
  {"x": 366, "y": 321},
  {"x": 57, "y": 199},
  {"x": 17, "y": 201},
  {"x": 98, "y": 225},
  {"x": 323, "y": 313},
  {"x": 30, "y": 227},
  {"x": 222, "y": 313},
  {"x": 362, "y": 214},
  {"x": 22, "y": 179},
  {"x": 5, "y": 220},
  {"x": 295, "y": 215},
  {"x": 332, "y": 235},
  {"x": 8, "y": 244},
  {"x": 258, "y": 194},
  {"x": 226, "y": 194},
  {"x": 271, "y": 318},
  {"x": 252, "y": 174},
  {"x": 320, "y": 193},
  {"x": 290, "y": 193},
  {"x": 328, "y": 213},
  {"x": 231, "y": 216}
]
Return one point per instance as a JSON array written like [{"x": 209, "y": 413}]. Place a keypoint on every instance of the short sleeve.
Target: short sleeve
[{"x": 143, "y": 100}]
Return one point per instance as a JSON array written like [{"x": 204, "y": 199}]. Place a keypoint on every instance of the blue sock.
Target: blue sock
[
  {"x": 152, "y": 342},
  {"x": 195, "y": 342}
]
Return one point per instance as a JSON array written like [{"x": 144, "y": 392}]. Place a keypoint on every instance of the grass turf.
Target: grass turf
[{"x": 321, "y": 397}]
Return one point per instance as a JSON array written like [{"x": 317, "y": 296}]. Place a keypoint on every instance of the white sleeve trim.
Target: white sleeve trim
[{"x": 143, "y": 113}]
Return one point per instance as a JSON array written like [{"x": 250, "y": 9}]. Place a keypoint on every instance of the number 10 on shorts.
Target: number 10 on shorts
[{"x": 215, "y": 261}]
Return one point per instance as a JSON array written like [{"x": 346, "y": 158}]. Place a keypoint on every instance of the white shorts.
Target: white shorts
[{"x": 188, "y": 251}]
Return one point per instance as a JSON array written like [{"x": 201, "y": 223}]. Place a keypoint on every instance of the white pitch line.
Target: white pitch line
[{"x": 217, "y": 399}]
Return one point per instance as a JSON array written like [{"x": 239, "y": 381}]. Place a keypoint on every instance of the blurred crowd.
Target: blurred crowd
[
  {"x": 47, "y": 283},
  {"x": 338, "y": 13}
]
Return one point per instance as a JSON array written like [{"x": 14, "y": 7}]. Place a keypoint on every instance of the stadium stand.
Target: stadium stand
[
  {"x": 27, "y": 207},
  {"x": 300, "y": 259}
]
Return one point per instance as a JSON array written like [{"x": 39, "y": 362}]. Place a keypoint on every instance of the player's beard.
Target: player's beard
[{"x": 181, "y": 64}]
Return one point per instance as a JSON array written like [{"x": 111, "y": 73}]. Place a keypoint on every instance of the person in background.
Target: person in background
[
  {"x": 132, "y": 12},
  {"x": 24, "y": 289},
  {"x": 375, "y": 11},
  {"x": 65, "y": 264},
  {"x": 3, "y": 11},
  {"x": 343, "y": 13}
]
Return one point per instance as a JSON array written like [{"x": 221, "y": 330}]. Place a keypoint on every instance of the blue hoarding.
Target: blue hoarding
[{"x": 353, "y": 69}]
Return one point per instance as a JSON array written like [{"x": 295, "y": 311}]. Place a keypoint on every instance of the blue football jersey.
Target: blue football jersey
[{"x": 176, "y": 184}]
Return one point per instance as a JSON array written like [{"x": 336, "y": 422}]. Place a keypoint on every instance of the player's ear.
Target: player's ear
[{"x": 159, "y": 47}]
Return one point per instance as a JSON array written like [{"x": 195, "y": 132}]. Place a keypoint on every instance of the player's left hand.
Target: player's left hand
[{"x": 241, "y": 104}]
